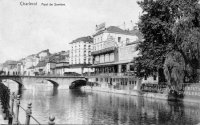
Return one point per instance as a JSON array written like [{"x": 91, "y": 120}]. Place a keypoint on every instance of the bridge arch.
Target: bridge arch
[
  {"x": 55, "y": 84},
  {"x": 19, "y": 82},
  {"x": 77, "y": 84}
]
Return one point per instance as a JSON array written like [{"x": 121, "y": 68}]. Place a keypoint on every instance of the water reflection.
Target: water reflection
[
  {"x": 54, "y": 91},
  {"x": 81, "y": 107}
]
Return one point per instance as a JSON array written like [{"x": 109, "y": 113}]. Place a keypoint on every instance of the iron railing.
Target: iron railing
[{"x": 13, "y": 116}]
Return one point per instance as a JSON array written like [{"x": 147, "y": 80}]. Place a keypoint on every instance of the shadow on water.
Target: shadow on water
[
  {"x": 54, "y": 92},
  {"x": 20, "y": 91},
  {"x": 79, "y": 93}
]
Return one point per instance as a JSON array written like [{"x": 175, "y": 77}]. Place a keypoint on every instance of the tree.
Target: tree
[
  {"x": 1, "y": 72},
  {"x": 169, "y": 26},
  {"x": 174, "y": 68}
]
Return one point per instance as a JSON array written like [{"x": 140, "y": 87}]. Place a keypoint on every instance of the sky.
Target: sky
[{"x": 26, "y": 30}]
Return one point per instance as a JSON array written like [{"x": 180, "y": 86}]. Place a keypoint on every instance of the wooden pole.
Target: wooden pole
[
  {"x": 10, "y": 119},
  {"x": 12, "y": 102},
  {"x": 28, "y": 114}
]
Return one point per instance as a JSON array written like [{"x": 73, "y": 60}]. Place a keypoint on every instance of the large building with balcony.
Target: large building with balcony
[
  {"x": 80, "y": 55},
  {"x": 113, "y": 51}
]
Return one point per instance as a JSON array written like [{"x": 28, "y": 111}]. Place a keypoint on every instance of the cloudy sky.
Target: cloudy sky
[{"x": 26, "y": 30}]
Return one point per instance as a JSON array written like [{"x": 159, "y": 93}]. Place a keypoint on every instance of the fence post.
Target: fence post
[
  {"x": 17, "y": 109},
  {"x": 51, "y": 120},
  {"x": 12, "y": 102},
  {"x": 28, "y": 114},
  {"x": 10, "y": 118}
]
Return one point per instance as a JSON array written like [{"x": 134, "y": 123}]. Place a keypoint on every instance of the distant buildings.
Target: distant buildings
[
  {"x": 41, "y": 55},
  {"x": 10, "y": 67},
  {"x": 107, "y": 55},
  {"x": 61, "y": 64}
]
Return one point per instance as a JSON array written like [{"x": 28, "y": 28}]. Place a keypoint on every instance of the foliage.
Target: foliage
[
  {"x": 169, "y": 26},
  {"x": 1, "y": 72},
  {"x": 174, "y": 68}
]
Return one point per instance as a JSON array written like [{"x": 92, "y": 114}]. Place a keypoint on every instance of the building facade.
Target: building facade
[
  {"x": 113, "y": 52},
  {"x": 80, "y": 55},
  {"x": 80, "y": 52},
  {"x": 10, "y": 68}
]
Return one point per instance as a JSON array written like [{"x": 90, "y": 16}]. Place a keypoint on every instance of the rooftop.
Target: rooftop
[
  {"x": 41, "y": 64},
  {"x": 10, "y": 62},
  {"x": 85, "y": 39},
  {"x": 114, "y": 29},
  {"x": 44, "y": 51},
  {"x": 32, "y": 67}
]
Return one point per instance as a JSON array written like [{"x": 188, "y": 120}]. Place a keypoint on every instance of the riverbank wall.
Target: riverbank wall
[
  {"x": 189, "y": 94},
  {"x": 125, "y": 92}
]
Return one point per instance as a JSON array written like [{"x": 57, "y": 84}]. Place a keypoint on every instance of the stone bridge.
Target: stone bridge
[{"x": 60, "y": 82}]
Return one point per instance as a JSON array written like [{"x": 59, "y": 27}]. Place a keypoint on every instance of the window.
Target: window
[
  {"x": 131, "y": 68},
  {"x": 84, "y": 61},
  {"x": 154, "y": 77},
  {"x": 119, "y": 39},
  {"x": 111, "y": 57},
  {"x": 145, "y": 77},
  {"x": 127, "y": 40}
]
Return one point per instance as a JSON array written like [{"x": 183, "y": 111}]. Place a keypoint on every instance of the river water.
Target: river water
[{"x": 83, "y": 107}]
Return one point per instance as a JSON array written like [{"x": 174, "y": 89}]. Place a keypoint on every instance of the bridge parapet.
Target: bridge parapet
[
  {"x": 43, "y": 76},
  {"x": 62, "y": 82}
]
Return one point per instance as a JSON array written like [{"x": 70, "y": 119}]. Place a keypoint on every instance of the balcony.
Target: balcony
[
  {"x": 60, "y": 65},
  {"x": 126, "y": 74},
  {"x": 103, "y": 51}
]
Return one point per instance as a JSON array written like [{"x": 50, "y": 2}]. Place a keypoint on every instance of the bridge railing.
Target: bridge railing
[
  {"x": 51, "y": 75},
  {"x": 14, "y": 116},
  {"x": 155, "y": 88},
  {"x": 110, "y": 74}
]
